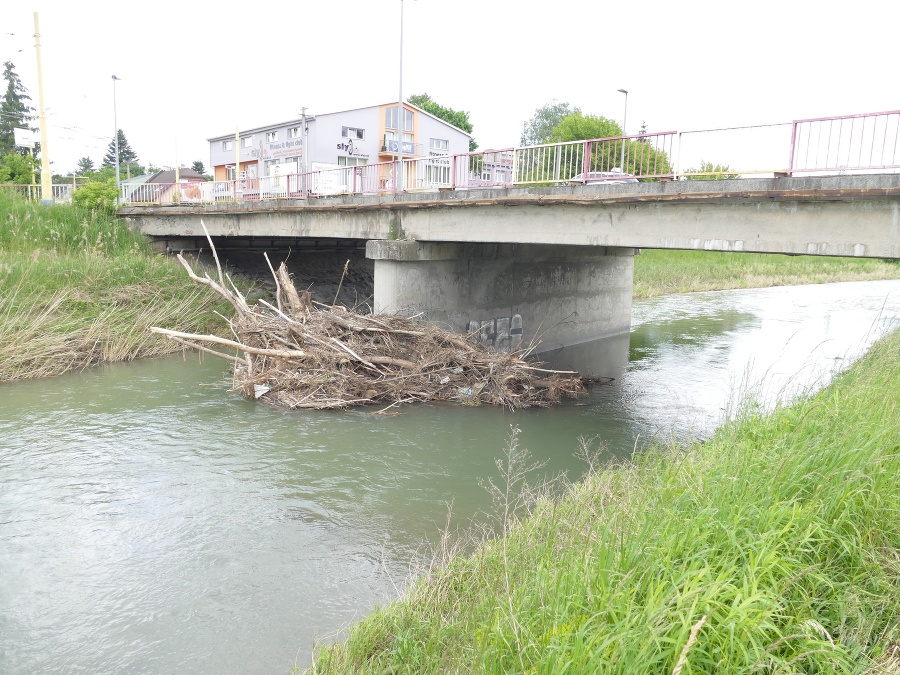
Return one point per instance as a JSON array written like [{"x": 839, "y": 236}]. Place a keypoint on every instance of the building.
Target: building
[{"x": 340, "y": 139}]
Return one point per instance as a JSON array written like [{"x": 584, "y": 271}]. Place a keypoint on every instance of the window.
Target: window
[
  {"x": 294, "y": 132},
  {"x": 247, "y": 142},
  {"x": 268, "y": 166},
  {"x": 440, "y": 144},
  {"x": 390, "y": 119},
  {"x": 229, "y": 172},
  {"x": 271, "y": 136},
  {"x": 437, "y": 175},
  {"x": 351, "y": 161},
  {"x": 226, "y": 146},
  {"x": 350, "y": 132}
]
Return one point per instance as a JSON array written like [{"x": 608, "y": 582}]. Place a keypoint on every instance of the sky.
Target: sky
[{"x": 192, "y": 71}]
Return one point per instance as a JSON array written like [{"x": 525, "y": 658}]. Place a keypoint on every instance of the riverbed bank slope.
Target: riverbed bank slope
[
  {"x": 771, "y": 547},
  {"x": 79, "y": 288}
]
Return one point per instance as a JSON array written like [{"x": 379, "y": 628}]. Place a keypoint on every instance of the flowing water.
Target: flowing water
[{"x": 152, "y": 522}]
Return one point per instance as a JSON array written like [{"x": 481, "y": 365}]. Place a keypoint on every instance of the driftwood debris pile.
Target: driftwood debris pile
[{"x": 302, "y": 354}]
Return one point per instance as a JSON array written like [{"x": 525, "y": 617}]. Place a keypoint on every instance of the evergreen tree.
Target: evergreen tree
[
  {"x": 198, "y": 167},
  {"x": 85, "y": 165},
  {"x": 126, "y": 154},
  {"x": 14, "y": 110}
]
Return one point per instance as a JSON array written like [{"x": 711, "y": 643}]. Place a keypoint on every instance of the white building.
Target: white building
[{"x": 347, "y": 138}]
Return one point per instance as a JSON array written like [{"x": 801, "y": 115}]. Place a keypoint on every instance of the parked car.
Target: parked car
[{"x": 595, "y": 177}]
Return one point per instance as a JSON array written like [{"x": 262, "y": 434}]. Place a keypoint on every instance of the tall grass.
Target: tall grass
[
  {"x": 79, "y": 288},
  {"x": 661, "y": 272},
  {"x": 772, "y": 548}
]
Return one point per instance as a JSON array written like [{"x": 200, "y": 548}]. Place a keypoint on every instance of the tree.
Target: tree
[
  {"x": 641, "y": 158},
  {"x": 539, "y": 129},
  {"x": 85, "y": 166},
  {"x": 710, "y": 171},
  {"x": 14, "y": 110},
  {"x": 198, "y": 167},
  {"x": 126, "y": 154},
  {"x": 16, "y": 168},
  {"x": 578, "y": 127},
  {"x": 458, "y": 118}
]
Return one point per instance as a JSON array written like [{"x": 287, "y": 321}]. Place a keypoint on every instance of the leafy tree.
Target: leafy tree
[
  {"x": 126, "y": 154},
  {"x": 16, "y": 168},
  {"x": 14, "y": 110},
  {"x": 539, "y": 129},
  {"x": 457, "y": 118},
  {"x": 578, "y": 127},
  {"x": 85, "y": 166},
  {"x": 641, "y": 158},
  {"x": 198, "y": 167}
]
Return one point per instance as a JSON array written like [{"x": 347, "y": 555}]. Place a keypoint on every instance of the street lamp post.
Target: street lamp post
[
  {"x": 624, "y": 119},
  {"x": 399, "y": 176},
  {"x": 116, "y": 141}
]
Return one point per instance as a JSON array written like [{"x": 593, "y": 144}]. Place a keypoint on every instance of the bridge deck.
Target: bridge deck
[{"x": 831, "y": 215}]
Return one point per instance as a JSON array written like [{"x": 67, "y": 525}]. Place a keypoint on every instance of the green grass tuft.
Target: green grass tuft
[
  {"x": 775, "y": 545},
  {"x": 662, "y": 272}
]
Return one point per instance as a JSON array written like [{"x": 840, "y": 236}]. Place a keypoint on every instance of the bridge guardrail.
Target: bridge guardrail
[{"x": 850, "y": 143}]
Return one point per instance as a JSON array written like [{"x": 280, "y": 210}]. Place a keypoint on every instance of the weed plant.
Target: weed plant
[
  {"x": 80, "y": 288},
  {"x": 774, "y": 547},
  {"x": 661, "y": 272}
]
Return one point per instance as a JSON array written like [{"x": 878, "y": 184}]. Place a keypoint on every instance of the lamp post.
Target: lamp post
[
  {"x": 399, "y": 176},
  {"x": 624, "y": 119},
  {"x": 116, "y": 141}
]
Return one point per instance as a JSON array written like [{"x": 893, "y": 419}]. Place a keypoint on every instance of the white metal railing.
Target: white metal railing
[
  {"x": 868, "y": 142},
  {"x": 62, "y": 192}
]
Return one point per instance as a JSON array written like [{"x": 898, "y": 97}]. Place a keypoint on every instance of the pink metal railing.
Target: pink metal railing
[
  {"x": 848, "y": 143},
  {"x": 869, "y": 142}
]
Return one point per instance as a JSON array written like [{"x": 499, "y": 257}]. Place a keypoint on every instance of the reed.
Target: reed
[
  {"x": 773, "y": 547},
  {"x": 80, "y": 288}
]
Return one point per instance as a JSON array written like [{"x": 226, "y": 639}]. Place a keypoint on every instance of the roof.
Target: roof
[
  {"x": 168, "y": 176},
  {"x": 338, "y": 112}
]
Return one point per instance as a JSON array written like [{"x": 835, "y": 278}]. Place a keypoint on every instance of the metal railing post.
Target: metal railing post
[
  {"x": 790, "y": 170},
  {"x": 678, "y": 157}
]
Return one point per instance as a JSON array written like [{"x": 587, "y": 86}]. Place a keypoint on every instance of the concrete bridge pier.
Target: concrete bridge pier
[{"x": 512, "y": 294}]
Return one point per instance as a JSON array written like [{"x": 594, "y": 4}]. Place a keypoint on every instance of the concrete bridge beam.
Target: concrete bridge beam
[{"x": 511, "y": 294}]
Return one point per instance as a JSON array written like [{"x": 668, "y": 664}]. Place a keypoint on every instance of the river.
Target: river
[{"x": 152, "y": 522}]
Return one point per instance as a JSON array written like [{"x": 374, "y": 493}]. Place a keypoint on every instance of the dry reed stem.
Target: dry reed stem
[{"x": 682, "y": 660}]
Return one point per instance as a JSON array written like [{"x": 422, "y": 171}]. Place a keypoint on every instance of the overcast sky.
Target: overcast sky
[{"x": 190, "y": 71}]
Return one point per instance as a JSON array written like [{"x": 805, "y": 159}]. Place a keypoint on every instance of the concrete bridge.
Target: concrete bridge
[{"x": 552, "y": 264}]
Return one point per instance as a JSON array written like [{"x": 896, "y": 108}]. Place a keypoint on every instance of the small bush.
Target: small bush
[{"x": 98, "y": 196}]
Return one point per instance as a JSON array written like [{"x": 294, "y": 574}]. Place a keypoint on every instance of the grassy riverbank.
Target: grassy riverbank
[
  {"x": 661, "y": 272},
  {"x": 79, "y": 288},
  {"x": 773, "y": 547}
]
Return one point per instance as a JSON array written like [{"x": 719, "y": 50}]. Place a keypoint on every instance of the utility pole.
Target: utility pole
[
  {"x": 116, "y": 140},
  {"x": 302, "y": 166},
  {"x": 399, "y": 176},
  {"x": 46, "y": 178}
]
